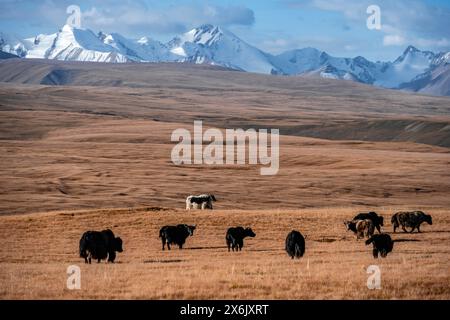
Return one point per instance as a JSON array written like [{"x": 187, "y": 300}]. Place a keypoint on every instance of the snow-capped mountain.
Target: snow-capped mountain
[
  {"x": 435, "y": 80},
  {"x": 212, "y": 44},
  {"x": 414, "y": 70},
  {"x": 144, "y": 49},
  {"x": 409, "y": 65},
  {"x": 69, "y": 44},
  {"x": 80, "y": 45},
  {"x": 312, "y": 61},
  {"x": 12, "y": 44}
]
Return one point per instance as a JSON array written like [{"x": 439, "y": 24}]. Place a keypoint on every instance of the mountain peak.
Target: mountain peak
[
  {"x": 412, "y": 52},
  {"x": 206, "y": 27},
  {"x": 410, "y": 49},
  {"x": 205, "y": 34},
  {"x": 68, "y": 28}
]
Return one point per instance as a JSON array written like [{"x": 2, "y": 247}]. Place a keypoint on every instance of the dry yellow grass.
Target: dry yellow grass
[{"x": 37, "y": 249}]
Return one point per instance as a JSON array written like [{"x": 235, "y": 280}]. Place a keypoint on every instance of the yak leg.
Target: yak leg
[
  {"x": 375, "y": 253},
  {"x": 111, "y": 256}
]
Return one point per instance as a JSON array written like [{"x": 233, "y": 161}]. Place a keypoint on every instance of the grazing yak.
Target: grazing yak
[
  {"x": 362, "y": 228},
  {"x": 175, "y": 235},
  {"x": 99, "y": 245},
  {"x": 204, "y": 201},
  {"x": 373, "y": 216},
  {"x": 412, "y": 219},
  {"x": 295, "y": 244},
  {"x": 235, "y": 237},
  {"x": 382, "y": 244}
]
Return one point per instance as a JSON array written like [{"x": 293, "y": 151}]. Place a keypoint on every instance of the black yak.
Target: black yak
[
  {"x": 295, "y": 244},
  {"x": 382, "y": 244},
  {"x": 99, "y": 245},
  {"x": 235, "y": 237},
  {"x": 175, "y": 235},
  {"x": 411, "y": 220},
  {"x": 372, "y": 216}
]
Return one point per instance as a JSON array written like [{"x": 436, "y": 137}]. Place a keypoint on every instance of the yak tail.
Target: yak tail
[
  {"x": 394, "y": 218},
  {"x": 298, "y": 251},
  {"x": 83, "y": 248},
  {"x": 369, "y": 241}
]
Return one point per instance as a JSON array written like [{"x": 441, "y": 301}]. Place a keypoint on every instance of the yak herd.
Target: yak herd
[{"x": 104, "y": 245}]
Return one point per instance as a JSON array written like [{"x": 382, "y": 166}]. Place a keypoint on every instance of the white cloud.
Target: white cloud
[
  {"x": 136, "y": 17},
  {"x": 351, "y": 9},
  {"x": 94, "y": 15},
  {"x": 131, "y": 17},
  {"x": 350, "y": 47},
  {"x": 393, "y": 40}
]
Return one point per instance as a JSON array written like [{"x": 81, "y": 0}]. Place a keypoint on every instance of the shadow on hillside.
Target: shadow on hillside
[
  {"x": 415, "y": 232},
  {"x": 436, "y": 231},
  {"x": 407, "y": 240},
  {"x": 205, "y": 248},
  {"x": 163, "y": 261},
  {"x": 329, "y": 239},
  {"x": 264, "y": 250}
]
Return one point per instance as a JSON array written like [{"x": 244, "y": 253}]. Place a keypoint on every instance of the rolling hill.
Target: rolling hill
[{"x": 88, "y": 135}]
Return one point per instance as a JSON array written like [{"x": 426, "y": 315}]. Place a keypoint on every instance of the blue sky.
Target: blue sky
[{"x": 336, "y": 26}]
